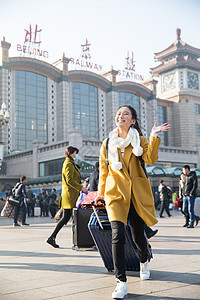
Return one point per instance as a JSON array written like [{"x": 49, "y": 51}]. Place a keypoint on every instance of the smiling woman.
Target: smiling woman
[{"x": 126, "y": 145}]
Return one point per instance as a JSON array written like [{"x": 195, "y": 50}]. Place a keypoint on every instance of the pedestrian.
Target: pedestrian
[
  {"x": 164, "y": 198},
  {"x": 41, "y": 196},
  {"x": 71, "y": 187},
  {"x": 45, "y": 204},
  {"x": 94, "y": 178},
  {"x": 156, "y": 200},
  {"x": 126, "y": 190},
  {"x": 189, "y": 194},
  {"x": 30, "y": 203},
  {"x": 20, "y": 192},
  {"x": 53, "y": 207}
]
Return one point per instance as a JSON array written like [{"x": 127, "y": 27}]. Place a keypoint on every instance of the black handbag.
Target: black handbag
[{"x": 16, "y": 202}]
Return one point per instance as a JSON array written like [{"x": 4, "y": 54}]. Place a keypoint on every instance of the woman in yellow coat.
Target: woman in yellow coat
[
  {"x": 71, "y": 187},
  {"x": 126, "y": 190}
]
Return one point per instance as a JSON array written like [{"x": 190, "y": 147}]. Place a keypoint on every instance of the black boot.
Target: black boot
[
  {"x": 186, "y": 220},
  {"x": 52, "y": 242}
]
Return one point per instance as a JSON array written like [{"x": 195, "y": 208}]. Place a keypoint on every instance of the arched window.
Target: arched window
[{"x": 85, "y": 110}]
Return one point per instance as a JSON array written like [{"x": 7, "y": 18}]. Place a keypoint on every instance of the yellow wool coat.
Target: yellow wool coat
[
  {"x": 129, "y": 183},
  {"x": 71, "y": 184}
]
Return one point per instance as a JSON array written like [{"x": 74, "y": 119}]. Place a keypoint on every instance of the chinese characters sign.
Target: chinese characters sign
[
  {"x": 32, "y": 43},
  {"x": 84, "y": 61},
  {"x": 128, "y": 73}
]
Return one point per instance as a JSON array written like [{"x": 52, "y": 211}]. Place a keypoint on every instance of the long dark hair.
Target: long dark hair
[
  {"x": 70, "y": 150},
  {"x": 134, "y": 117}
]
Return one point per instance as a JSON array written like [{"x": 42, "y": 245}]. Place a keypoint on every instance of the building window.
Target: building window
[
  {"x": 198, "y": 130},
  {"x": 31, "y": 109},
  {"x": 130, "y": 99},
  {"x": 85, "y": 110},
  {"x": 197, "y": 108},
  {"x": 53, "y": 167},
  {"x": 162, "y": 118}
]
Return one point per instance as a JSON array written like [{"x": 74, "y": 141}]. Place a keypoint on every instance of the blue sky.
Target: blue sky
[{"x": 112, "y": 27}]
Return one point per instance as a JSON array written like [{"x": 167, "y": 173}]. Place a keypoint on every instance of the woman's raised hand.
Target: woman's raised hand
[{"x": 164, "y": 127}]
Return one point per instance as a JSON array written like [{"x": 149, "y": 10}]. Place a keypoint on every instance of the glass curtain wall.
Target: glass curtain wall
[
  {"x": 31, "y": 109},
  {"x": 162, "y": 118},
  {"x": 85, "y": 110}
]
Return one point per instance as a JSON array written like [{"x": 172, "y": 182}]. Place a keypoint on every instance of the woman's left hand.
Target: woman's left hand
[{"x": 156, "y": 129}]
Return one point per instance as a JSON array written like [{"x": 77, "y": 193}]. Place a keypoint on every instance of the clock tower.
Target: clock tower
[{"x": 179, "y": 80}]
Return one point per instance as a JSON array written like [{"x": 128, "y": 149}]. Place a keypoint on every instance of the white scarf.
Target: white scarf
[{"x": 115, "y": 142}]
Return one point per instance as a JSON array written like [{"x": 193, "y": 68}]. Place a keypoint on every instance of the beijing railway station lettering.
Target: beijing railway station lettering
[
  {"x": 128, "y": 73},
  {"x": 32, "y": 42},
  {"x": 85, "y": 64}
]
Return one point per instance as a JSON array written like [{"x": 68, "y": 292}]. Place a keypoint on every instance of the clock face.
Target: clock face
[
  {"x": 193, "y": 80},
  {"x": 169, "y": 82}
]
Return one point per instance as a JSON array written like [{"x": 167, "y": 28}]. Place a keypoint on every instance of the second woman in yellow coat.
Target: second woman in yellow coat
[
  {"x": 71, "y": 187},
  {"x": 126, "y": 190}
]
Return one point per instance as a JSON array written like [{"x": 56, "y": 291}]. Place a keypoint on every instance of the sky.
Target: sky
[{"x": 112, "y": 27}]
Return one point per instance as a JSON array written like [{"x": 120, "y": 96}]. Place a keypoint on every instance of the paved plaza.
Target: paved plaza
[{"x": 32, "y": 269}]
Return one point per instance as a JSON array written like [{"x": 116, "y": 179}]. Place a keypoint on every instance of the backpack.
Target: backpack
[{"x": 16, "y": 190}]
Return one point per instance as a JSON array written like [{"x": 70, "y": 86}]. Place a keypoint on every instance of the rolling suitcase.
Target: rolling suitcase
[
  {"x": 100, "y": 230},
  {"x": 80, "y": 232},
  {"x": 37, "y": 211}
]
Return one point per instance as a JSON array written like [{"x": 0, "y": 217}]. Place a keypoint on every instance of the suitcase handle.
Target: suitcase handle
[
  {"x": 100, "y": 200},
  {"x": 96, "y": 214}
]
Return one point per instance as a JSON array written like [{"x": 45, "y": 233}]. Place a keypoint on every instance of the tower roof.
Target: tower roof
[
  {"x": 179, "y": 54},
  {"x": 178, "y": 48}
]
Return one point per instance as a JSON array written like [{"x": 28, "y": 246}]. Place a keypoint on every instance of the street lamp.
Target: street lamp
[{"x": 4, "y": 116}]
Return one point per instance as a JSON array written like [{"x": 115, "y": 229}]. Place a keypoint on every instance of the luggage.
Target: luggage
[
  {"x": 8, "y": 211},
  {"x": 103, "y": 241},
  {"x": 37, "y": 211},
  {"x": 91, "y": 196},
  {"x": 81, "y": 235}
]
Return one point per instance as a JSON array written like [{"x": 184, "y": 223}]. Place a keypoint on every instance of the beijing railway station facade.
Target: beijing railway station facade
[{"x": 52, "y": 107}]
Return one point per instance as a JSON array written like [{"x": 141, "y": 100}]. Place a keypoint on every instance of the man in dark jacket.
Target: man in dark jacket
[
  {"x": 51, "y": 199},
  {"x": 20, "y": 192},
  {"x": 164, "y": 198},
  {"x": 189, "y": 195},
  {"x": 94, "y": 178},
  {"x": 30, "y": 203}
]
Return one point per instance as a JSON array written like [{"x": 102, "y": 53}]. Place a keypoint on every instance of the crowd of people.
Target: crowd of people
[{"x": 47, "y": 203}]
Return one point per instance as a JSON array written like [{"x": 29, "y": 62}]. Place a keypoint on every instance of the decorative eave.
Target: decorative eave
[
  {"x": 90, "y": 78},
  {"x": 136, "y": 88},
  {"x": 164, "y": 102},
  {"x": 34, "y": 65},
  {"x": 175, "y": 63},
  {"x": 178, "y": 48}
]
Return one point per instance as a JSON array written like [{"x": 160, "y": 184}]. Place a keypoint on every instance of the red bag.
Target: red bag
[
  {"x": 91, "y": 196},
  {"x": 178, "y": 202}
]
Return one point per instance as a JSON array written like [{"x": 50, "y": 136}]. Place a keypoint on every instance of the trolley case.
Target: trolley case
[
  {"x": 103, "y": 241},
  {"x": 37, "y": 211},
  {"x": 81, "y": 235}
]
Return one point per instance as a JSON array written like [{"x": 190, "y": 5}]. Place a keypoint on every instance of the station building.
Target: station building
[{"x": 52, "y": 107}]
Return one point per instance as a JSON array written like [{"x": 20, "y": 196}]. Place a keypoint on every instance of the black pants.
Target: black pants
[
  {"x": 30, "y": 209},
  {"x": 164, "y": 206},
  {"x": 63, "y": 221},
  {"x": 118, "y": 240},
  {"x": 53, "y": 209}
]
